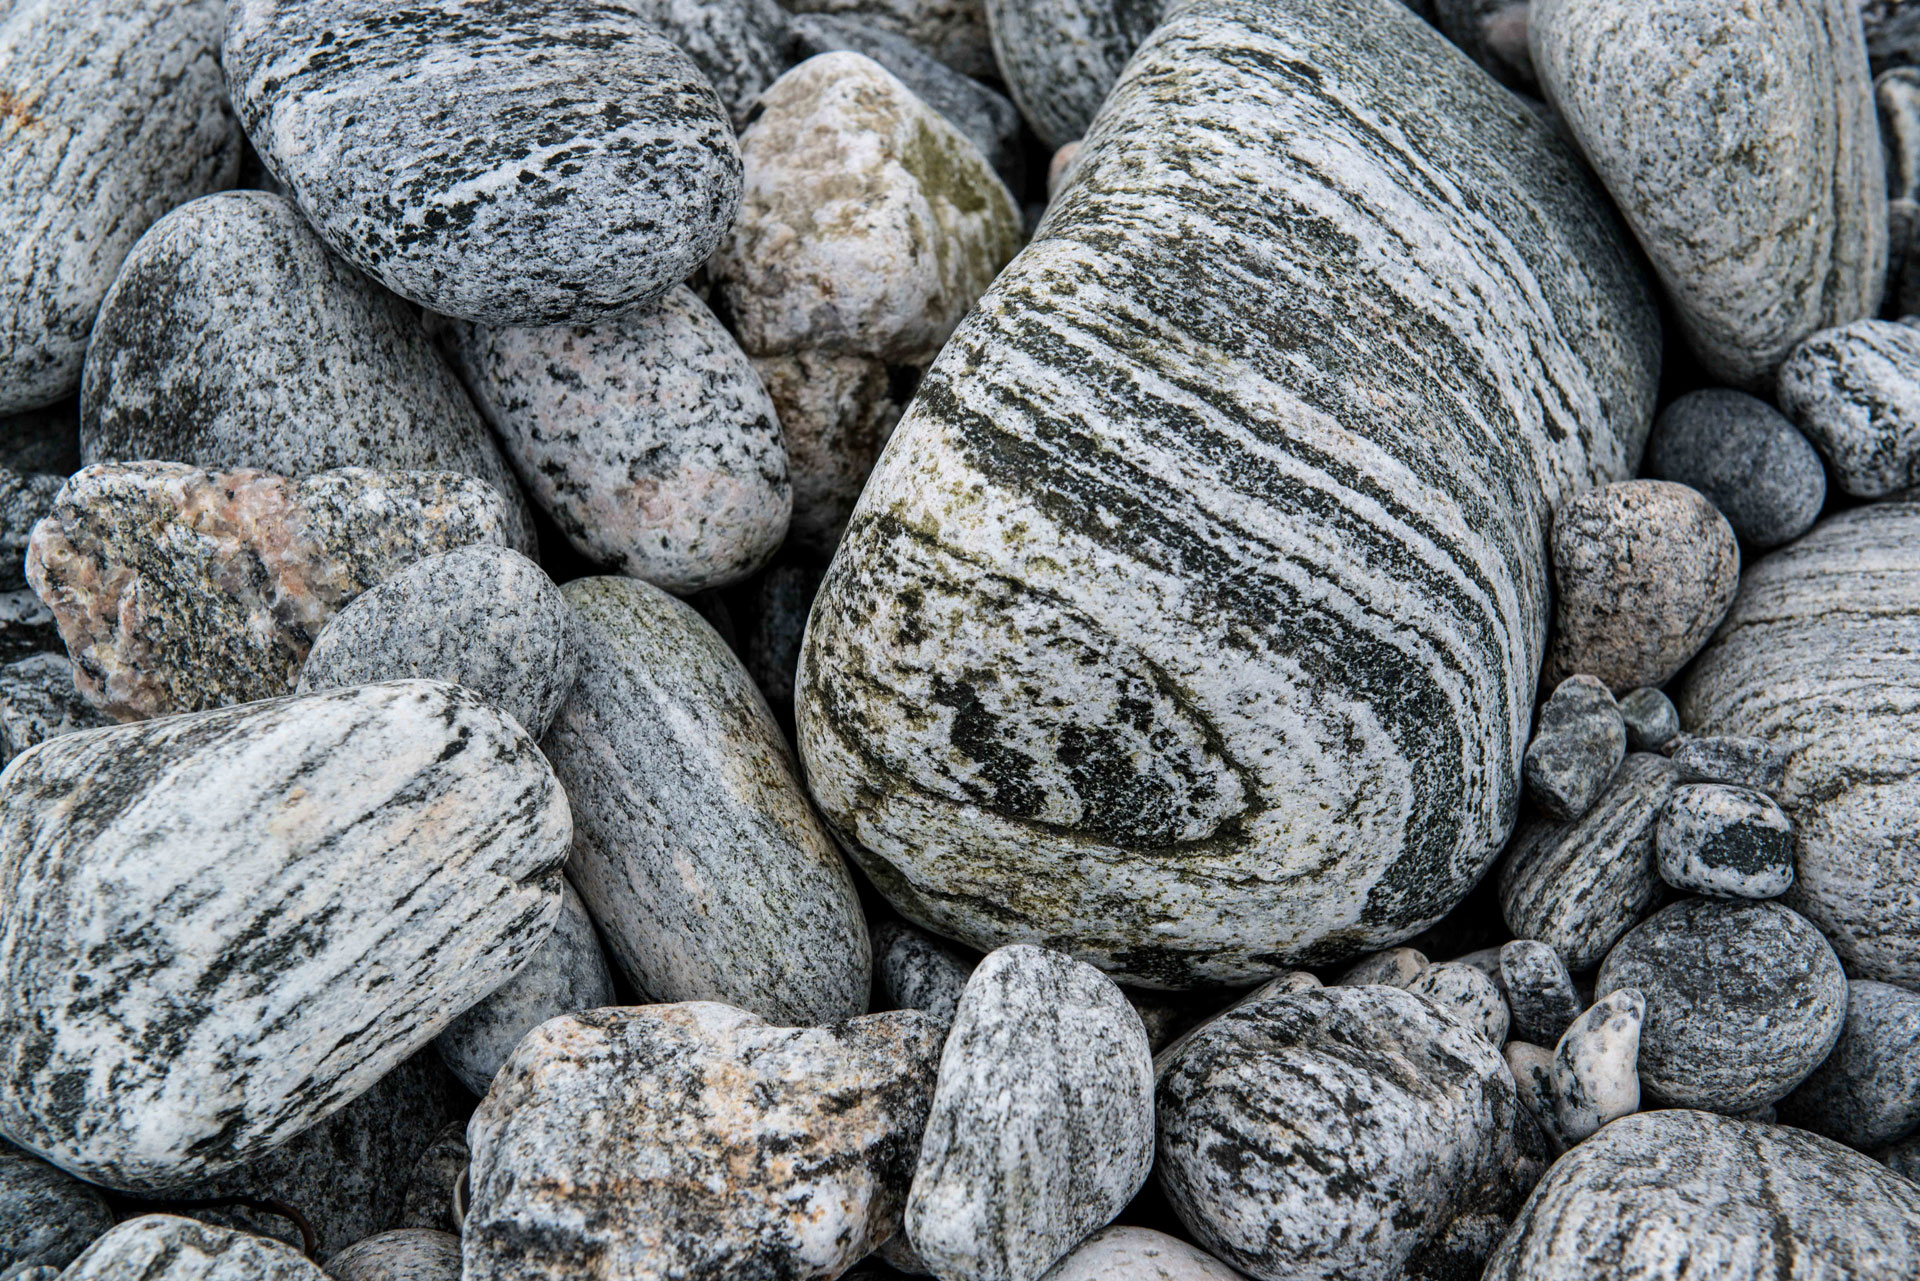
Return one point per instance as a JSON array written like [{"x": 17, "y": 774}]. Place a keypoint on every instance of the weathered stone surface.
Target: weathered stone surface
[
  {"x": 218, "y": 930},
  {"x": 47, "y": 1217},
  {"x": 26, "y": 626},
  {"x": 1720, "y": 1198},
  {"x": 648, "y": 439},
  {"x": 1398, "y": 1122},
  {"x": 1738, "y": 760},
  {"x": 837, "y": 413},
  {"x": 1117, "y": 652},
  {"x": 740, "y": 46},
  {"x": 431, "y": 1187},
  {"x": 415, "y": 1254},
  {"x": 1853, "y": 391},
  {"x": 1867, "y": 1092},
  {"x": 917, "y": 971},
  {"x": 1739, "y": 141},
  {"x": 233, "y": 338},
  {"x": 1539, "y": 992},
  {"x": 1817, "y": 657},
  {"x": 1138, "y": 1254},
  {"x": 694, "y": 847},
  {"x": 1595, "y": 1070},
  {"x": 954, "y": 31},
  {"x": 1041, "y": 1129},
  {"x": 1743, "y": 1001},
  {"x": 38, "y": 702},
  {"x": 1060, "y": 58},
  {"x": 25, "y": 498},
  {"x": 1467, "y": 994},
  {"x": 1746, "y": 458},
  {"x": 695, "y": 1140},
  {"x": 481, "y": 616},
  {"x": 1724, "y": 842},
  {"x": 111, "y": 115},
  {"x": 178, "y": 590},
  {"x": 1651, "y": 718},
  {"x": 159, "y": 1247},
  {"x": 1579, "y": 741},
  {"x": 1395, "y": 967},
  {"x": 1292, "y": 981}
]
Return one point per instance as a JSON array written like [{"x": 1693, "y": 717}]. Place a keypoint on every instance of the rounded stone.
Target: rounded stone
[
  {"x": 1643, "y": 571},
  {"x": 1866, "y": 1093},
  {"x": 1737, "y": 760},
  {"x": 1138, "y": 1254},
  {"x": 47, "y": 1217},
  {"x": 1724, "y": 842},
  {"x": 405, "y": 1254},
  {"x": 1651, "y": 719},
  {"x": 159, "y": 1247},
  {"x": 1579, "y": 741},
  {"x": 1060, "y": 58},
  {"x": 1855, "y": 392},
  {"x": 1747, "y": 460},
  {"x": 1467, "y": 994},
  {"x": 1743, "y": 1001},
  {"x": 552, "y": 162},
  {"x": 1539, "y": 991},
  {"x": 1394, "y": 967},
  {"x": 433, "y": 1184},
  {"x": 837, "y": 413},
  {"x": 1595, "y": 1074},
  {"x": 917, "y": 971}
]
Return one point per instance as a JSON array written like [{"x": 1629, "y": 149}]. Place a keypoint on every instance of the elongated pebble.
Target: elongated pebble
[
  {"x": 1061, "y": 57},
  {"x": 1596, "y": 1076},
  {"x": 1867, "y": 1092},
  {"x": 1539, "y": 991}
]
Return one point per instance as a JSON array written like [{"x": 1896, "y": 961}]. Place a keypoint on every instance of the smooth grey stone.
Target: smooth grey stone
[
  {"x": 1395, "y": 967},
  {"x": 1041, "y": 1128},
  {"x": 740, "y": 46},
  {"x": 567, "y": 975},
  {"x": 648, "y": 439},
  {"x": 42, "y": 439},
  {"x": 481, "y": 616},
  {"x": 694, "y": 847},
  {"x": 1595, "y": 1070},
  {"x": 1737, "y": 760},
  {"x": 1577, "y": 887},
  {"x": 917, "y": 971},
  {"x": 1084, "y": 617},
  {"x": 1855, "y": 392},
  {"x": 837, "y": 413},
  {"x": 954, "y": 31},
  {"x": 1893, "y": 32},
  {"x": 1815, "y": 657},
  {"x": 114, "y": 114},
  {"x": 433, "y": 1183},
  {"x": 1766, "y": 220},
  {"x": 696, "y": 1141},
  {"x": 1292, "y": 981},
  {"x": 1467, "y": 994},
  {"x": 1060, "y": 58},
  {"x": 476, "y": 177},
  {"x": 1867, "y": 1092},
  {"x": 160, "y": 1247},
  {"x": 1578, "y": 744},
  {"x": 1724, "y": 842},
  {"x": 781, "y": 597},
  {"x": 1138, "y": 1254},
  {"x": 404, "y": 1254},
  {"x": 47, "y": 1217},
  {"x": 1651, "y": 719},
  {"x": 1539, "y": 991},
  {"x": 25, "y": 498},
  {"x": 301, "y": 893},
  {"x": 1399, "y": 1121},
  {"x": 1654, "y": 1194},
  {"x": 1743, "y": 1001},
  {"x": 1746, "y": 458},
  {"x": 233, "y": 338},
  {"x": 1494, "y": 34},
  {"x": 1896, "y": 94},
  {"x": 38, "y": 701}
]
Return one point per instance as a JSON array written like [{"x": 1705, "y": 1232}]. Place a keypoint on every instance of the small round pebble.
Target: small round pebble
[
  {"x": 1577, "y": 746},
  {"x": 1467, "y": 994},
  {"x": 405, "y": 1254},
  {"x": 1540, "y": 993},
  {"x": 1855, "y": 392},
  {"x": 1138, "y": 1254},
  {"x": 1724, "y": 842},
  {"x": 1746, "y": 458},
  {"x": 1651, "y": 718},
  {"x": 917, "y": 971},
  {"x": 1731, "y": 758},
  {"x": 1867, "y": 1092}
]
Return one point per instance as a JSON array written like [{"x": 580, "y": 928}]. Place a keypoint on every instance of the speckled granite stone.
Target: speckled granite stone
[
  {"x": 917, "y": 971},
  {"x": 300, "y": 894},
  {"x": 47, "y": 1217},
  {"x": 1896, "y": 94},
  {"x": 954, "y": 31},
  {"x": 1746, "y": 459},
  {"x": 1138, "y": 1254},
  {"x": 1539, "y": 992},
  {"x": 178, "y": 590},
  {"x": 1395, "y": 967},
  {"x": 836, "y": 413},
  {"x": 1060, "y": 58},
  {"x": 415, "y": 1254},
  {"x": 1467, "y": 994},
  {"x": 1116, "y": 652},
  {"x": 110, "y": 115},
  {"x": 740, "y": 46},
  {"x": 432, "y": 1183},
  {"x": 1579, "y": 741},
  {"x": 1595, "y": 1074},
  {"x": 38, "y": 702},
  {"x": 1724, "y": 842},
  {"x": 1853, "y": 391},
  {"x": 1739, "y": 760},
  {"x": 696, "y": 1141},
  {"x": 159, "y": 1247},
  {"x": 529, "y": 163},
  {"x": 1867, "y": 1092}
]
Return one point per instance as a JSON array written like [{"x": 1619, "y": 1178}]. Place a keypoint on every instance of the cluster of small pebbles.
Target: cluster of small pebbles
[{"x": 1000, "y": 640}]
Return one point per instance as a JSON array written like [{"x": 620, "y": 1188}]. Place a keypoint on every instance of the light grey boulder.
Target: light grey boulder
[
  {"x": 1138, "y": 1254},
  {"x": 1060, "y": 58},
  {"x": 1724, "y": 842},
  {"x": 114, "y": 114},
  {"x": 954, "y": 31},
  {"x": 1737, "y": 760},
  {"x": 1579, "y": 741},
  {"x": 1595, "y": 1074},
  {"x": 1746, "y": 459},
  {"x": 1394, "y": 967},
  {"x": 1652, "y": 720},
  {"x": 1766, "y": 221},
  {"x": 1539, "y": 992},
  {"x": 47, "y": 1217},
  {"x": 1866, "y": 1093},
  {"x": 38, "y": 701},
  {"x": 917, "y": 971},
  {"x": 1855, "y": 392},
  {"x": 404, "y": 1254},
  {"x": 1467, "y": 994},
  {"x": 160, "y": 1247},
  {"x": 694, "y": 847},
  {"x": 300, "y": 893}
]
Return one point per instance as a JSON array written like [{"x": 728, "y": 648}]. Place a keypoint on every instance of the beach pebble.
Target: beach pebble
[
  {"x": 1539, "y": 992},
  {"x": 1643, "y": 572},
  {"x": 1060, "y": 58},
  {"x": 1651, "y": 719},
  {"x": 38, "y": 702},
  {"x": 26, "y": 627},
  {"x": 302, "y": 893},
  {"x": 1743, "y": 1000},
  {"x": 1041, "y": 1129},
  {"x": 1578, "y": 743},
  {"x": 1138, "y": 1254},
  {"x": 405, "y": 1254},
  {"x": 1532, "y": 1069},
  {"x": 1746, "y": 459},
  {"x": 1395, "y": 967},
  {"x": 1595, "y": 1072},
  {"x": 1724, "y": 842},
  {"x": 47, "y": 1217},
  {"x": 648, "y": 439},
  {"x": 1737, "y": 760},
  {"x": 954, "y": 31},
  {"x": 474, "y": 180},
  {"x": 837, "y": 413},
  {"x": 1855, "y": 392},
  {"x": 25, "y": 499},
  {"x": 160, "y": 1247},
  {"x": 781, "y": 598},
  {"x": 1467, "y": 994},
  {"x": 113, "y": 115},
  {"x": 697, "y": 1141},
  {"x": 740, "y": 46},
  {"x": 434, "y": 1181},
  {"x": 1867, "y": 1092},
  {"x": 917, "y": 971}
]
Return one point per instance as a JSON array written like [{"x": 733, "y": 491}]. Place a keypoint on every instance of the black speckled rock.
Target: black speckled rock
[
  {"x": 1469, "y": 994},
  {"x": 1651, "y": 718},
  {"x": 431, "y": 1185},
  {"x": 404, "y": 1254},
  {"x": 917, "y": 971},
  {"x": 158, "y": 1247},
  {"x": 1747, "y": 459},
  {"x": 1670, "y": 1194},
  {"x": 530, "y": 163},
  {"x": 1539, "y": 991},
  {"x": 112, "y": 115},
  {"x": 481, "y": 616},
  {"x": 696, "y": 1141},
  {"x": 1578, "y": 743},
  {"x": 1061, "y": 57},
  {"x": 25, "y": 498},
  {"x": 1724, "y": 842},
  {"x": 1738, "y": 760},
  {"x": 1902, "y": 1158},
  {"x": 300, "y": 894},
  {"x": 38, "y": 702},
  {"x": 1855, "y": 392},
  {"x": 740, "y": 46},
  {"x": 1340, "y": 1132},
  {"x": 233, "y": 338},
  {"x": 47, "y": 1217},
  {"x": 1867, "y": 1092},
  {"x": 1743, "y": 1001}
]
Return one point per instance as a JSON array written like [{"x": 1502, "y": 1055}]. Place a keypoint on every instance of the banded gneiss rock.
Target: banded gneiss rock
[
  {"x": 1184, "y": 626},
  {"x": 403, "y": 1254},
  {"x": 218, "y": 930},
  {"x": 1061, "y": 57}
]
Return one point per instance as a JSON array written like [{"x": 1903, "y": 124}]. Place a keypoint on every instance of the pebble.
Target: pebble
[
  {"x": 1158, "y": 621},
  {"x": 25, "y": 499},
  {"x": 1577, "y": 887},
  {"x": 1494, "y": 34},
  {"x": 954, "y": 31},
  {"x": 1892, "y": 29},
  {"x": 1855, "y": 392},
  {"x": 1532, "y": 1069},
  {"x": 740, "y": 46},
  {"x": 1734, "y": 759},
  {"x": 697, "y": 1141},
  {"x": 160, "y": 1247},
  {"x": 1395, "y": 967},
  {"x": 1041, "y": 1129},
  {"x": 233, "y": 338},
  {"x": 434, "y": 1181},
  {"x": 479, "y": 182},
  {"x": 1539, "y": 992},
  {"x": 917, "y": 971},
  {"x": 567, "y": 975},
  {"x": 1746, "y": 459},
  {"x": 1816, "y": 658},
  {"x": 1651, "y": 719},
  {"x": 649, "y": 439},
  {"x": 481, "y": 616},
  {"x": 837, "y": 412},
  {"x": 1739, "y": 142},
  {"x": 1579, "y": 741},
  {"x": 1595, "y": 1072},
  {"x": 1866, "y": 1093},
  {"x": 1743, "y": 1001},
  {"x": 1673, "y": 1193},
  {"x": 38, "y": 702},
  {"x": 1060, "y": 58},
  {"x": 1398, "y": 1121},
  {"x": 114, "y": 114},
  {"x": 1467, "y": 994},
  {"x": 781, "y": 598},
  {"x": 695, "y": 850},
  {"x": 401, "y": 1255},
  {"x": 1724, "y": 842},
  {"x": 1896, "y": 93},
  {"x": 47, "y": 1217},
  {"x": 1643, "y": 572},
  {"x": 301, "y": 892},
  {"x": 178, "y": 590},
  {"x": 1138, "y": 1254}
]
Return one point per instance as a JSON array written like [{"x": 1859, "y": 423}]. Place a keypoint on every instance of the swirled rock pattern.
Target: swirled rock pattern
[
  {"x": 1867, "y": 1092},
  {"x": 1852, "y": 391},
  {"x": 160, "y": 1247},
  {"x": 1061, "y": 57}
]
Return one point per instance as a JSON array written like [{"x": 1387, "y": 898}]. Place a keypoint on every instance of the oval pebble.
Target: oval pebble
[
  {"x": 1595, "y": 1072},
  {"x": 1866, "y": 1093},
  {"x": 1852, "y": 390},
  {"x": 1138, "y": 1254},
  {"x": 1738, "y": 760},
  {"x": 1652, "y": 720},
  {"x": 47, "y": 1217},
  {"x": 1724, "y": 842},
  {"x": 918, "y": 971},
  {"x": 1539, "y": 992},
  {"x": 1747, "y": 460},
  {"x": 415, "y": 1254},
  {"x": 160, "y": 1247}
]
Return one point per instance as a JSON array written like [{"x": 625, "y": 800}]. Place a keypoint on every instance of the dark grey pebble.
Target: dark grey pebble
[
  {"x": 47, "y": 1217},
  {"x": 1855, "y": 392},
  {"x": 1867, "y": 1092},
  {"x": 917, "y": 971},
  {"x": 1747, "y": 459},
  {"x": 38, "y": 701},
  {"x": 433, "y": 1182},
  {"x": 1724, "y": 842},
  {"x": 1651, "y": 718},
  {"x": 1539, "y": 991},
  {"x": 1736, "y": 759},
  {"x": 1578, "y": 743},
  {"x": 781, "y": 598}
]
